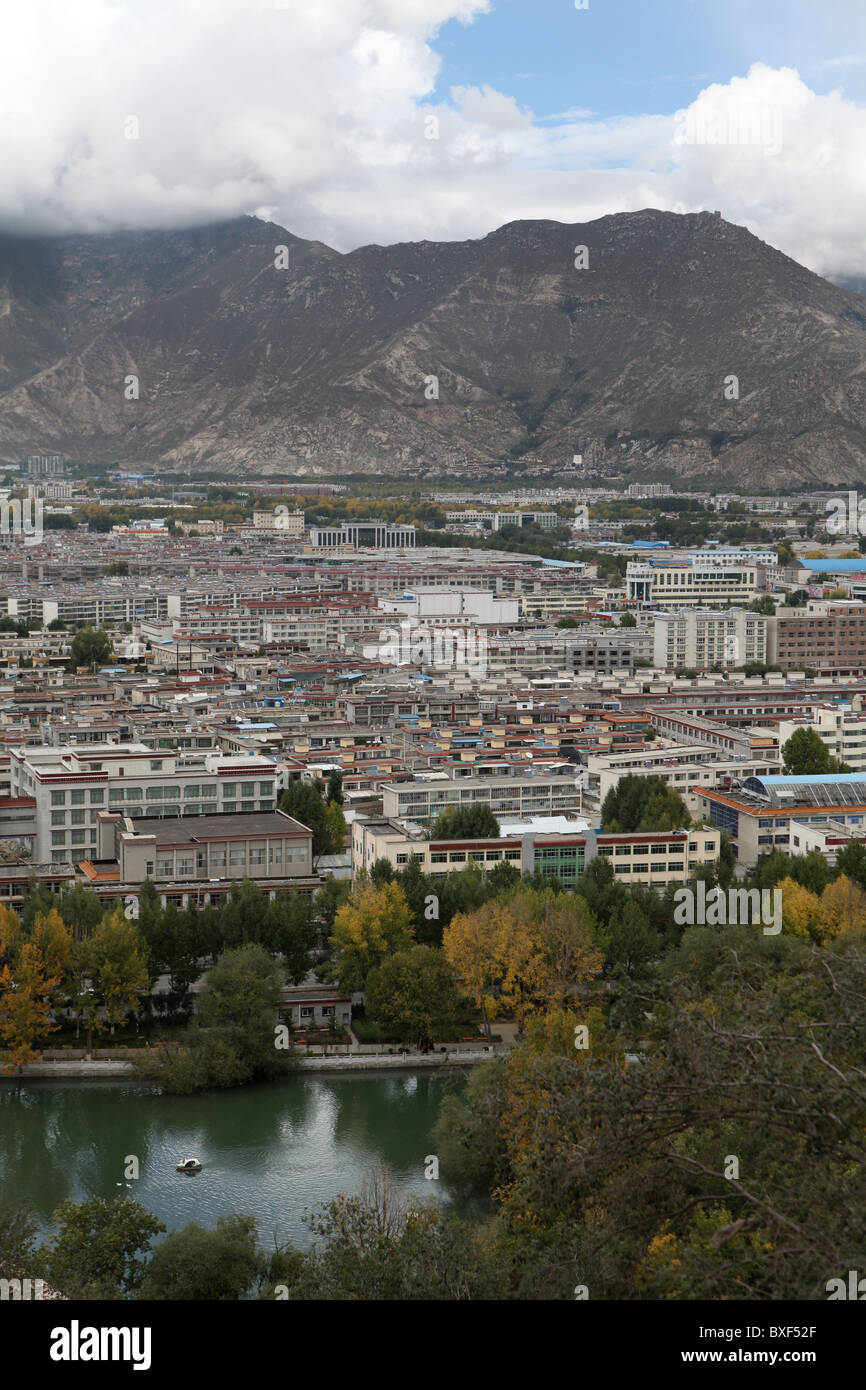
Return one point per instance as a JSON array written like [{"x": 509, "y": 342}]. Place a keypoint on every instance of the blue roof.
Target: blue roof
[
  {"x": 794, "y": 779},
  {"x": 834, "y": 566},
  {"x": 649, "y": 545}
]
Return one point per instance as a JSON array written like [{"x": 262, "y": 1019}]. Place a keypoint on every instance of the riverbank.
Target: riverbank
[{"x": 332, "y": 1063}]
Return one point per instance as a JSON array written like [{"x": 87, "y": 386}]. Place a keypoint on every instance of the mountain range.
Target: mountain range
[{"x": 652, "y": 345}]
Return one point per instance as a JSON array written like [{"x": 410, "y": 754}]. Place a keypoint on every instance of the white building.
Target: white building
[
  {"x": 841, "y": 727},
  {"x": 700, "y": 579},
  {"x": 72, "y": 785},
  {"x": 700, "y": 638}
]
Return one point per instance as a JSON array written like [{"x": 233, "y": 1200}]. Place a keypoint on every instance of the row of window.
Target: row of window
[{"x": 191, "y": 791}]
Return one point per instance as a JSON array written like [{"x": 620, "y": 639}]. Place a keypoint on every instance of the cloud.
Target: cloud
[{"x": 323, "y": 116}]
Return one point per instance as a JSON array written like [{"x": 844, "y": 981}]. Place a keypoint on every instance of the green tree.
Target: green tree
[
  {"x": 806, "y": 753},
  {"x": 232, "y": 1038},
  {"x": 98, "y": 1251},
  {"x": 206, "y": 1266},
  {"x": 413, "y": 996},
  {"x": 643, "y": 803},
  {"x": 89, "y": 647},
  {"x": 304, "y": 802},
  {"x": 466, "y": 823},
  {"x": 628, "y": 620},
  {"x": 335, "y": 785}
]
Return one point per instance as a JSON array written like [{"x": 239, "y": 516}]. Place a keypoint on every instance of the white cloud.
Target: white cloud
[{"x": 317, "y": 113}]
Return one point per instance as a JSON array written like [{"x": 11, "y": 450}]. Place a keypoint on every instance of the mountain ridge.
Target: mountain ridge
[{"x": 333, "y": 364}]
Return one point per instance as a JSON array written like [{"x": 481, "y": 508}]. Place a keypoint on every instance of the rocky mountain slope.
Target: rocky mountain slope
[{"x": 436, "y": 357}]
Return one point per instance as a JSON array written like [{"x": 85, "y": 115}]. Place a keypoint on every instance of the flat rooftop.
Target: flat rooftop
[{"x": 188, "y": 829}]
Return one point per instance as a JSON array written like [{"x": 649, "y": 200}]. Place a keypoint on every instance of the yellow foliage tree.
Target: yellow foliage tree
[{"x": 373, "y": 923}]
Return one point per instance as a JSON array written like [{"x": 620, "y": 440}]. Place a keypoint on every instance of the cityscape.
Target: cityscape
[{"x": 432, "y": 681}]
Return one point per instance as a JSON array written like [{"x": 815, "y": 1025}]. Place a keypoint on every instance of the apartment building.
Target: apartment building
[
  {"x": 831, "y": 638},
  {"x": 279, "y": 519},
  {"x": 842, "y": 727},
  {"x": 702, "y": 579},
  {"x": 701, "y": 638},
  {"x": 71, "y": 786},
  {"x": 558, "y": 788}
]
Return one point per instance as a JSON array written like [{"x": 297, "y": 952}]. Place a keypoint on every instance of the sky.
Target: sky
[{"x": 358, "y": 121}]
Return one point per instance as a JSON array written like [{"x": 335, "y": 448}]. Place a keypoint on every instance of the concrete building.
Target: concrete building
[
  {"x": 557, "y": 787},
  {"x": 269, "y": 845},
  {"x": 279, "y": 519},
  {"x": 764, "y": 813},
  {"x": 827, "y": 638},
  {"x": 362, "y": 535},
  {"x": 700, "y": 638},
  {"x": 71, "y": 786},
  {"x": 707, "y": 578},
  {"x": 842, "y": 728}
]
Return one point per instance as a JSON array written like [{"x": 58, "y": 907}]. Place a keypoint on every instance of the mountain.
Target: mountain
[{"x": 325, "y": 367}]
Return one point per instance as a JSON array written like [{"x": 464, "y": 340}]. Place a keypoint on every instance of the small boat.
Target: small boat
[{"x": 189, "y": 1165}]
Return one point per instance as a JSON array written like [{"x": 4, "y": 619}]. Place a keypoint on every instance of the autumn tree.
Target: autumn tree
[{"x": 371, "y": 925}]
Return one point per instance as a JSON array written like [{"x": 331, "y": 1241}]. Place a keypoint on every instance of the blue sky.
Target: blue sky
[{"x": 629, "y": 57}]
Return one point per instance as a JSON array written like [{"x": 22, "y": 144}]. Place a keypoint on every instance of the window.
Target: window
[
  {"x": 77, "y": 796},
  {"x": 58, "y": 798},
  {"x": 58, "y": 817},
  {"x": 164, "y": 868},
  {"x": 97, "y": 796},
  {"x": 77, "y": 817},
  {"x": 115, "y": 793},
  {"x": 439, "y": 857},
  {"x": 306, "y": 1012},
  {"x": 248, "y": 788},
  {"x": 266, "y": 788},
  {"x": 58, "y": 837},
  {"x": 230, "y": 789},
  {"x": 257, "y": 855},
  {"x": 184, "y": 867},
  {"x": 191, "y": 793},
  {"x": 156, "y": 764},
  {"x": 154, "y": 793},
  {"x": 78, "y": 837},
  {"x": 217, "y": 858},
  {"x": 623, "y": 849},
  {"x": 457, "y": 857},
  {"x": 238, "y": 854},
  {"x": 248, "y": 805},
  {"x": 229, "y": 806},
  {"x": 402, "y": 858},
  {"x": 709, "y": 846},
  {"x": 275, "y": 854},
  {"x": 659, "y": 849}
]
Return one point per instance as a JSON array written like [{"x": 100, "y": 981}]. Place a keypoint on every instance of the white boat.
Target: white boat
[{"x": 189, "y": 1165}]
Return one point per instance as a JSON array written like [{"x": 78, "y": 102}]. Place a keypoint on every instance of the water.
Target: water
[{"x": 271, "y": 1151}]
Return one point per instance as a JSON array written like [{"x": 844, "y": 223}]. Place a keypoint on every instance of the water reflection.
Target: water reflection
[{"x": 272, "y": 1151}]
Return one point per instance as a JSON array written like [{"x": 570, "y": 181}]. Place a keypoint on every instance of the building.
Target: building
[
  {"x": 40, "y": 465},
  {"x": 178, "y": 850},
  {"x": 649, "y": 490},
  {"x": 654, "y": 858},
  {"x": 279, "y": 519},
  {"x": 829, "y": 638},
  {"x": 556, "y": 786},
  {"x": 765, "y": 813},
  {"x": 707, "y": 578},
  {"x": 841, "y": 726},
  {"x": 363, "y": 535},
  {"x": 71, "y": 786},
  {"x": 701, "y": 638}
]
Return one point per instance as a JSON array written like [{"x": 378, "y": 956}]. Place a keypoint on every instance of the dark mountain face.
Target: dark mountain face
[{"x": 328, "y": 365}]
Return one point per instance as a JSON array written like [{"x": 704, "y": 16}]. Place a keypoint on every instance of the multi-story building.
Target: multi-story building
[
  {"x": 842, "y": 727},
  {"x": 828, "y": 638},
  {"x": 279, "y": 519},
  {"x": 258, "y": 845},
  {"x": 764, "y": 813},
  {"x": 702, "y": 638},
  {"x": 72, "y": 785},
  {"x": 654, "y": 858},
  {"x": 556, "y": 788},
  {"x": 358, "y": 535},
  {"x": 707, "y": 578}
]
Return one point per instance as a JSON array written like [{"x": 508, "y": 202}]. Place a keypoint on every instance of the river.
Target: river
[{"x": 273, "y": 1151}]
